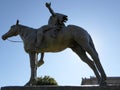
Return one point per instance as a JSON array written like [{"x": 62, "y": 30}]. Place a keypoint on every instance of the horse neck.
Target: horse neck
[{"x": 24, "y": 31}]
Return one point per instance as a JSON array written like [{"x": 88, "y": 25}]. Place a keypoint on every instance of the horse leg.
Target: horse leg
[
  {"x": 93, "y": 53},
  {"x": 33, "y": 60},
  {"x": 40, "y": 62},
  {"x": 81, "y": 53}
]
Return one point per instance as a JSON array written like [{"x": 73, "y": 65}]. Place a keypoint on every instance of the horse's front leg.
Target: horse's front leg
[
  {"x": 33, "y": 61},
  {"x": 41, "y": 61}
]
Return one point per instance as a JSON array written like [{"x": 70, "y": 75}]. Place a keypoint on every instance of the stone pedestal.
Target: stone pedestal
[{"x": 61, "y": 88}]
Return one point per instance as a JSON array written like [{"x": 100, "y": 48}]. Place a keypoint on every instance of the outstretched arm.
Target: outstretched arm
[{"x": 50, "y": 9}]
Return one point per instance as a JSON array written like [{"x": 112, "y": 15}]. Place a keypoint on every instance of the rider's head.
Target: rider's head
[
  {"x": 58, "y": 19},
  {"x": 61, "y": 18}
]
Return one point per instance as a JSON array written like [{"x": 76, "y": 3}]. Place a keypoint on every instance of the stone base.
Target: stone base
[{"x": 61, "y": 88}]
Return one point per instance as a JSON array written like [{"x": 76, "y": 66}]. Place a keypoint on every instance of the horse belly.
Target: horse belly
[{"x": 54, "y": 48}]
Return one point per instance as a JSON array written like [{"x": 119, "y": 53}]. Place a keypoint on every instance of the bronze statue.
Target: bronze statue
[
  {"x": 70, "y": 36},
  {"x": 56, "y": 22}
]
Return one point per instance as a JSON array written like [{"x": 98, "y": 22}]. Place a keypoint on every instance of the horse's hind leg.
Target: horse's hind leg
[
  {"x": 94, "y": 55},
  {"x": 98, "y": 61},
  {"x": 81, "y": 53}
]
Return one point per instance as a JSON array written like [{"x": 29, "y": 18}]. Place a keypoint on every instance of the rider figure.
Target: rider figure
[{"x": 56, "y": 22}]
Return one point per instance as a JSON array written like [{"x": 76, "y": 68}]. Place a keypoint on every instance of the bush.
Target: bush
[{"x": 46, "y": 80}]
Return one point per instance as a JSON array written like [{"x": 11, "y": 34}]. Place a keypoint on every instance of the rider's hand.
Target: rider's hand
[{"x": 48, "y": 4}]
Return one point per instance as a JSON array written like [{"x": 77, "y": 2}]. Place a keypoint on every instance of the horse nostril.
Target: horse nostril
[{"x": 3, "y": 37}]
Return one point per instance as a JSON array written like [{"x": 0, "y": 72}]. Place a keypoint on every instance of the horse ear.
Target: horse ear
[{"x": 17, "y": 22}]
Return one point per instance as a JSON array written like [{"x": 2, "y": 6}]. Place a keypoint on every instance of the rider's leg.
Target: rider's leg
[
  {"x": 39, "y": 38},
  {"x": 55, "y": 31}
]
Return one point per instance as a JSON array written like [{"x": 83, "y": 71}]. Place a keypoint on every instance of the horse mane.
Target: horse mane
[{"x": 26, "y": 27}]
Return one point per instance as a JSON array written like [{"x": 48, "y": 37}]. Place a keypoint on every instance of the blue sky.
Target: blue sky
[{"x": 101, "y": 18}]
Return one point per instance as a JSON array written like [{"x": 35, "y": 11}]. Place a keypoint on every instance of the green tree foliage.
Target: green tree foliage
[{"x": 46, "y": 80}]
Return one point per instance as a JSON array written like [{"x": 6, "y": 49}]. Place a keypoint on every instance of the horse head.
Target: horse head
[{"x": 12, "y": 32}]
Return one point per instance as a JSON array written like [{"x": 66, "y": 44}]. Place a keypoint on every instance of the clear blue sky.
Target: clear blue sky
[{"x": 101, "y": 18}]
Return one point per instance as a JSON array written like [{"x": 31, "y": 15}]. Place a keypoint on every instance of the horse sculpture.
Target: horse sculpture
[{"x": 70, "y": 36}]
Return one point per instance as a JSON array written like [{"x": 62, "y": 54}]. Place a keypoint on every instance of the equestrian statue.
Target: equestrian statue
[{"x": 56, "y": 37}]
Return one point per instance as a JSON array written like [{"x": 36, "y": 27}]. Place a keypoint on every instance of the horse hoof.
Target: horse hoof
[
  {"x": 27, "y": 84},
  {"x": 30, "y": 84},
  {"x": 40, "y": 63},
  {"x": 103, "y": 83}
]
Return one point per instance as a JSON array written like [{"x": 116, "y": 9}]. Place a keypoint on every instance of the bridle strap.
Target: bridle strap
[{"x": 14, "y": 41}]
